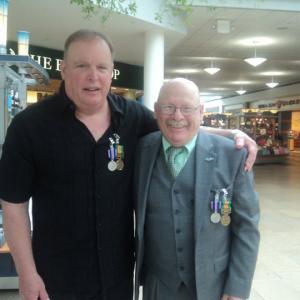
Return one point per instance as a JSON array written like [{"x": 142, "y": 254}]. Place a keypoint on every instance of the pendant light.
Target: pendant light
[
  {"x": 212, "y": 70},
  {"x": 255, "y": 61},
  {"x": 272, "y": 84},
  {"x": 241, "y": 91}
]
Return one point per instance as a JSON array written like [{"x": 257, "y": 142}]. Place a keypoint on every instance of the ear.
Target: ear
[
  {"x": 113, "y": 72},
  {"x": 201, "y": 109},
  {"x": 63, "y": 69},
  {"x": 156, "y": 109},
  {"x": 201, "y": 112}
]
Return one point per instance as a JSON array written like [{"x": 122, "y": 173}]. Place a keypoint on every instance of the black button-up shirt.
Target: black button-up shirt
[{"x": 82, "y": 212}]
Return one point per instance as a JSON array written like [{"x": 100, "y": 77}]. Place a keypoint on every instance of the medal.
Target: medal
[
  {"x": 120, "y": 164},
  {"x": 226, "y": 209},
  {"x": 115, "y": 154},
  {"x": 215, "y": 217},
  {"x": 225, "y": 220},
  {"x": 112, "y": 166},
  {"x": 120, "y": 155}
]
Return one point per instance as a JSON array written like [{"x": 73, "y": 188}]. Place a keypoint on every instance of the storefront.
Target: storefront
[
  {"x": 288, "y": 118},
  {"x": 273, "y": 124}
]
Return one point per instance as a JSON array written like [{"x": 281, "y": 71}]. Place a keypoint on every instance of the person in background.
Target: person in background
[
  {"x": 73, "y": 154},
  {"x": 197, "y": 211}
]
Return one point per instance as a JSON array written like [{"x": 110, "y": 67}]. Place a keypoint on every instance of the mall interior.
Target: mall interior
[{"x": 245, "y": 59}]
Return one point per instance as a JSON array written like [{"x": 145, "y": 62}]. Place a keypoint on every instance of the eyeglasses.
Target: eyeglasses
[{"x": 170, "y": 109}]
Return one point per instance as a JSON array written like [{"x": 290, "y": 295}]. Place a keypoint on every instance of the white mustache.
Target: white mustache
[{"x": 176, "y": 124}]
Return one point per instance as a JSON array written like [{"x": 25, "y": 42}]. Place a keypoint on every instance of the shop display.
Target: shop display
[
  {"x": 263, "y": 128},
  {"x": 216, "y": 120}
]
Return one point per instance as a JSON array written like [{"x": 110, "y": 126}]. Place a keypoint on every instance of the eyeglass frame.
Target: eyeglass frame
[{"x": 191, "y": 109}]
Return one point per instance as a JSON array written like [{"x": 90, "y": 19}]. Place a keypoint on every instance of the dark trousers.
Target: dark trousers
[{"x": 123, "y": 291}]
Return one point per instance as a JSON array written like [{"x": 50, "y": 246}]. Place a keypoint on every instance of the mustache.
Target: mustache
[{"x": 176, "y": 124}]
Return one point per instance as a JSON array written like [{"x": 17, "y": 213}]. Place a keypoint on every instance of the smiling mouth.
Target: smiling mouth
[
  {"x": 91, "y": 89},
  {"x": 176, "y": 124}
]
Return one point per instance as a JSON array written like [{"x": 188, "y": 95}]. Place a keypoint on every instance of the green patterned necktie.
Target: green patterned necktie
[{"x": 172, "y": 153}]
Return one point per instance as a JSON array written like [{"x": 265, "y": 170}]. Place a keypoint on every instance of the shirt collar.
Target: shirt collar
[{"x": 189, "y": 146}]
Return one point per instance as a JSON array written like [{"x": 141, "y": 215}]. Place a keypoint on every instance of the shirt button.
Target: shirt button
[
  {"x": 179, "y": 249},
  {"x": 176, "y": 192},
  {"x": 182, "y": 268},
  {"x": 178, "y": 230},
  {"x": 176, "y": 211}
]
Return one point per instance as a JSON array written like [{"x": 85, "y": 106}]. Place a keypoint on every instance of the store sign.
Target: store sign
[
  {"x": 124, "y": 75},
  {"x": 280, "y": 104}
]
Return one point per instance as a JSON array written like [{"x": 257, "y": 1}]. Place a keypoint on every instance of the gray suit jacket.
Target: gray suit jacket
[{"x": 225, "y": 256}]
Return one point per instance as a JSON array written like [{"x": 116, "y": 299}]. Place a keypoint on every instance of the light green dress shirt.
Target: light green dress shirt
[{"x": 183, "y": 156}]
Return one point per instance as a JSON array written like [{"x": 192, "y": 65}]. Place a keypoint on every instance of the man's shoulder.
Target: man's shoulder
[
  {"x": 127, "y": 106},
  {"x": 216, "y": 139},
  {"x": 150, "y": 138},
  {"x": 223, "y": 145},
  {"x": 38, "y": 109}
]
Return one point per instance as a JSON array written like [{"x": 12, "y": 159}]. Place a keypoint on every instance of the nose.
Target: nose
[
  {"x": 178, "y": 114},
  {"x": 92, "y": 74}
]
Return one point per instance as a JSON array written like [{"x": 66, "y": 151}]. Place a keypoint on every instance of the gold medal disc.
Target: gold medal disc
[
  {"x": 225, "y": 220},
  {"x": 120, "y": 164}
]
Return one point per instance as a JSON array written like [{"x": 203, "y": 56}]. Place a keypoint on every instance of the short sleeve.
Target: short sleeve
[
  {"x": 147, "y": 121},
  {"x": 16, "y": 164}
]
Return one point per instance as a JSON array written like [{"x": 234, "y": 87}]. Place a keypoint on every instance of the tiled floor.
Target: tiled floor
[{"x": 277, "y": 274}]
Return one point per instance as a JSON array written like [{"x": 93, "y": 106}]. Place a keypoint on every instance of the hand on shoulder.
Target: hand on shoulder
[{"x": 244, "y": 140}]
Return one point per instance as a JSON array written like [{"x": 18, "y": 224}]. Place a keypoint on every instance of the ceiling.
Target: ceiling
[{"x": 50, "y": 22}]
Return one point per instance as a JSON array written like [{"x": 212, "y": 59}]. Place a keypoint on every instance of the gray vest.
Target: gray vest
[{"x": 169, "y": 225}]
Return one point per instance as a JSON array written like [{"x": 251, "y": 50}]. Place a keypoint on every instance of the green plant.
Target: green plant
[
  {"x": 175, "y": 8},
  {"x": 95, "y": 7}
]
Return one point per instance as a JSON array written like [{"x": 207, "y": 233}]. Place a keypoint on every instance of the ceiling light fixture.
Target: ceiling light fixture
[
  {"x": 241, "y": 91},
  {"x": 255, "y": 61},
  {"x": 272, "y": 84},
  {"x": 212, "y": 70}
]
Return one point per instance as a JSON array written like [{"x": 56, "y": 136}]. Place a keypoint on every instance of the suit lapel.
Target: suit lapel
[
  {"x": 205, "y": 164},
  {"x": 149, "y": 153}
]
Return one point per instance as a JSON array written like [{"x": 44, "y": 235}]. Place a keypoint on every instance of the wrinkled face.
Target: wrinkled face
[
  {"x": 181, "y": 126},
  {"x": 87, "y": 71}
]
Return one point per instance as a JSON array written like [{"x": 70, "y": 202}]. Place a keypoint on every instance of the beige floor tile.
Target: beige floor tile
[
  {"x": 255, "y": 296},
  {"x": 275, "y": 290}
]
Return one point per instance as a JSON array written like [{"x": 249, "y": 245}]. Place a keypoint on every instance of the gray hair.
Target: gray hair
[
  {"x": 183, "y": 82},
  {"x": 86, "y": 34}
]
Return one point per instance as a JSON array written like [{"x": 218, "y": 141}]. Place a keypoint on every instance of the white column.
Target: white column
[
  {"x": 2, "y": 105},
  {"x": 153, "y": 66}
]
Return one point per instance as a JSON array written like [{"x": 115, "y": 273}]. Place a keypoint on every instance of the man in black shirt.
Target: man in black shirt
[{"x": 73, "y": 154}]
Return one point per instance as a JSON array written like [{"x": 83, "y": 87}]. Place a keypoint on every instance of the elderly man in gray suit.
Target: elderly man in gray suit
[{"x": 197, "y": 211}]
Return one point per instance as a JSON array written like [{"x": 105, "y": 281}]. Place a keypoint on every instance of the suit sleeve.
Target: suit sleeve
[{"x": 245, "y": 235}]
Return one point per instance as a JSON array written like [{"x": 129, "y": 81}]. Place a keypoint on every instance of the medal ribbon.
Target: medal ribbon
[
  {"x": 111, "y": 150},
  {"x": 215, "y": 204}
]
